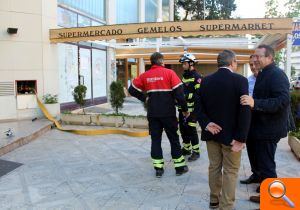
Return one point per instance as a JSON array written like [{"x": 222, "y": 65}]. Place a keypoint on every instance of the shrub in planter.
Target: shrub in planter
[
  {"x": 117, "y": 95},
  {"x": 295, "y": 107},
  {"x": 79, "y": 94},
  {"x": 51, "y": 104},
  {"x": 50, "y": 99}
]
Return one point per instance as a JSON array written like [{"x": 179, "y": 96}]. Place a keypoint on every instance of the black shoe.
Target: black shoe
[
  {"x": 181, "y": 170},
  {"x": 185, "y": 152},
  {"x": 255, "y": 198},
  {"x": 194, "y": 157},
  {"x": 258, "y": 189},
  {"x": 214, "y": 205},
  {"x": 250, "y": 180},
  {"x": 159, "y": 172}
]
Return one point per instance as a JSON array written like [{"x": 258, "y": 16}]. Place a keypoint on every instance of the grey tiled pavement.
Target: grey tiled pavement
[{"x": 66, "y": 171}]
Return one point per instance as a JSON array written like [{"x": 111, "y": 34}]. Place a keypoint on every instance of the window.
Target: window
[
  {"x": 68, "y": 71},
  {"x": 99, "y": 73},
  {"x": 150, "y": 11},
  {"x": 94, "y": 8},
  {"x": 127, "y": 11},
  {"x": 165, "y": 10},
  {"x": 26, "y": 87},
  {"x": 83, "y": 21},
  {"x": 66, "y": 18}
]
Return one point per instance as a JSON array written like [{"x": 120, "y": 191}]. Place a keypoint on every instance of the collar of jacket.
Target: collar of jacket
[
  {"x": 270, "y": 66},
  {"x": 156, "y": 67},
  {"x": 188, "y": 72},
  {"x": 225, "y": 68}
]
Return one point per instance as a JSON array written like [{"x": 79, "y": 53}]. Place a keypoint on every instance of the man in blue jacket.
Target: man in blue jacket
[{"x": 269, "y": 105}]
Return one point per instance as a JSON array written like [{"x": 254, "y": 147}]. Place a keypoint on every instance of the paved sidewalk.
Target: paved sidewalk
[{"x": 66, "y": 171}]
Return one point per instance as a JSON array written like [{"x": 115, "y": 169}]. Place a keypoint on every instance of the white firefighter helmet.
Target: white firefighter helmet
[{"x": 187, "y": 57}]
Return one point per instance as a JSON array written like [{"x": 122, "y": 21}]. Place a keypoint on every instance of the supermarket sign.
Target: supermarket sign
[
  {"x": 173, "y": 29},
  {"x": 296, "y": 33}
]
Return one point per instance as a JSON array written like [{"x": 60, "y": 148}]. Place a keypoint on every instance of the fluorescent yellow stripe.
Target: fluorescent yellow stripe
[
  {"x": 188, "y": 80},
  {"x": 191, "y": 104},
  {"x": 157, "y": 165},
  {"x": 190, "y": 96},
  {"x": 190, "y": 109},
  {"x": 192, "y": 124},
  {"x": 157, "y": 160},
  {"x": 179, "y": 159},
  {"x": 179, "y": 164},
  {"x": 197, "y": 86},
  {"x": 196, "y": 146}
]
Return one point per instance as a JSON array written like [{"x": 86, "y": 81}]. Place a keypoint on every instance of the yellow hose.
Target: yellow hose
[{"x": 89, "y": 132}]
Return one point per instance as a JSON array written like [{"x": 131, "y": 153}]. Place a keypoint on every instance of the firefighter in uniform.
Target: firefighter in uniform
[
  {"x": 160, "y": 87},
  {"x": 191, "y": 80}
]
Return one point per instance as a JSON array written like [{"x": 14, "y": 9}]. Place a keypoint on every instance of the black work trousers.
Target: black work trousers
[
  {"x": 156, "y": 127},
  {"x": 188, "y": 130}
]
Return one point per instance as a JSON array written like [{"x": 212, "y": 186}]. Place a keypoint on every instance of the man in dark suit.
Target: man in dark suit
[
  {"x": 225, "y": 124},
  {"x": 269, "y": 105}
]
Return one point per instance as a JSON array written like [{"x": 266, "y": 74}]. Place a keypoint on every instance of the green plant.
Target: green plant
[
  {"x": 117, "y": 95},
  {"x": 295, "y": 107},
  {"x": 50, "y": 99},
  {"x": 79, "y": 94},
  {"x": 66, "y": 112}
]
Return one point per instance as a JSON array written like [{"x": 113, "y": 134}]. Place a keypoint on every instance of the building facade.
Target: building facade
[{"x": 29, "y": 63}]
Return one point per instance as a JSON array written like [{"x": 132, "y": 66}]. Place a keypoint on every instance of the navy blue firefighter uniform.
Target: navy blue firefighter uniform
[
  {"x": 191, "y": 80},
  {"x": 160, "y": 87}
]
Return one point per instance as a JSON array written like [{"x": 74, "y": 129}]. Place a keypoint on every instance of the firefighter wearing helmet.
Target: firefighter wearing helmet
[{"x": 191, "y": 80}]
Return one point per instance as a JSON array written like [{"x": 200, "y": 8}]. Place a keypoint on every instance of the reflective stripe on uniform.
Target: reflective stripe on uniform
[
  {"x": 158, "y": 163},
  {"x": 190, "y": 96},
  {"x": 190, "y": 109},
  {"x": 197, "y": 86},
  {"x": 192, "y": 124},
  {"x": 188, "y": 80},
  {"x": 179, "y": 162},
  {"x": 190, "y": 104},
  {"x": 196, "y": 148},
  {"x": 187, "y": 146}
]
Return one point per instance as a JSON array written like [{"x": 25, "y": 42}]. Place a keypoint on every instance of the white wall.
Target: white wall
[{"x": 27, "y": 55}]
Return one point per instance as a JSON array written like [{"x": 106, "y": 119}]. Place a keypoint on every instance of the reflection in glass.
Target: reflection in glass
[
  {"x": 127, "y": 11},
  {"x": 99, "y": 73}
]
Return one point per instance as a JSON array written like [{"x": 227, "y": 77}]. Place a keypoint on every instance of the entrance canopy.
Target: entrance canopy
[
  {"x": 173, "y": 29},
  {"x": 209, "y": 37}
]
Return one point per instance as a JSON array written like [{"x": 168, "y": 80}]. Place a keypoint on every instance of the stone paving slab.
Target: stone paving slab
[
  {"x": 24, "y": 131},
  {"x": 67, "y": 171}
]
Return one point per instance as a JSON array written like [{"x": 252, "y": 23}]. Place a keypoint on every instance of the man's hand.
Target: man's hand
[
  {"x": 213, "y": 128},
  {"x": 247, "y": 100},
  {"x": 237, "y": 146},
  {"x": 186, "y": 114}
]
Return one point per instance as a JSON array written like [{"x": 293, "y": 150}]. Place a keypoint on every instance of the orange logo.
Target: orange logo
[{"x": 280, "y": 194}]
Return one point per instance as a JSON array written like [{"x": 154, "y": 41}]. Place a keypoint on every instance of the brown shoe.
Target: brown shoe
[{"x": 255, "y": 198}]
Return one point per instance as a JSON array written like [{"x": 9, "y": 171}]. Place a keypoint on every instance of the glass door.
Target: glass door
[{"x": 85, "y": 70}]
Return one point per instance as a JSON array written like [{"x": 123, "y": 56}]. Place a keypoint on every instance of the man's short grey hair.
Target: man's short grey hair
[
  {"x": 225, "y": 58},
  {"x": 157, "y": 59}
]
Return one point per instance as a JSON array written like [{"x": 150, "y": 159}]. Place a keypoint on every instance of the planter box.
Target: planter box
[
  {"x": 53, "y": 109},
  {"x": 105, "y": 120},
  {"x": 76, "y": 119},
  {"x": 295, "y": 145},
  {"x": 113, "y": 121},
  {"x": 136, "y": 122}
]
